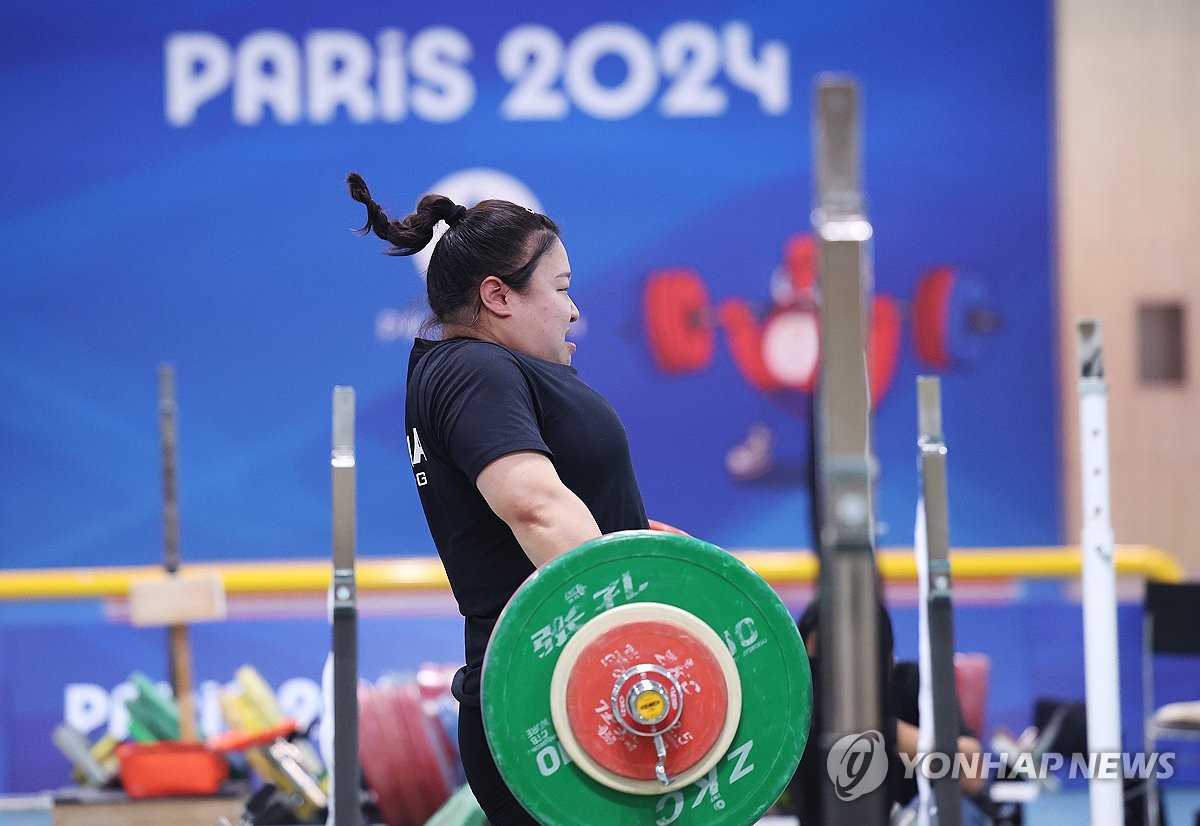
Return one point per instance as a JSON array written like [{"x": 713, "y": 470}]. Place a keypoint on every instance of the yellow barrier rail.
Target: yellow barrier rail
[
  {"x": 779, "y": 567},
  {"x": 1051, "y": 562}
]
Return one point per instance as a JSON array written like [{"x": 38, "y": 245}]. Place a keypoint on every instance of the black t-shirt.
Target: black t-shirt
[{"x": 470, "y": 402}]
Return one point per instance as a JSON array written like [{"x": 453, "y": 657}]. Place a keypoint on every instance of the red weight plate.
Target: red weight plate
[
  {"x": 375, "y": 744},
  {"x": 403, "y": 801},
  {"x": 605, "y": 659},
  {"x": 679, "y": 332},
  {"x": 655, "y": 525},
  {"x": 405, "y": 772},
  {"x": 800, "y": 254},
  {"x": 424, "y": 759},
  {"x": 931, "y": 317},
  {"x": 416, "y": 763},
  {"x": 883, "y": 345}
]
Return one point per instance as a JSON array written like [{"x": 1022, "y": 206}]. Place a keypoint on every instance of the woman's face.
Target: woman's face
[{"x": 543, "y": 314}]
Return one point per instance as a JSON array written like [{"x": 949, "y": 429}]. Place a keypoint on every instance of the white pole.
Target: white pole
[
  {"x": 1103, "y": 694},
  {"x": 941, "y": 799}
]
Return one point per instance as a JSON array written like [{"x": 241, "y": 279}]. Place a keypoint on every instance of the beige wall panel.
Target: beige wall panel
[{"x": 1128, "y": 167}]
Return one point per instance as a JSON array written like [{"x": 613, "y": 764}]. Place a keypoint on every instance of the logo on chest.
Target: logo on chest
[{"x": 417, "y": 453}]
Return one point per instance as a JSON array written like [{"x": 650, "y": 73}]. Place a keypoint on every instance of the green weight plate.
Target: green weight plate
[{"x": 647, "y": 566}]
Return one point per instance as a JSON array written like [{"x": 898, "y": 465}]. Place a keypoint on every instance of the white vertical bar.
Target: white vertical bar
[
  {"x": 342, "y": 465},
  {"x": 938, "y": 698},
  {"x": 1103, "y": 694}
]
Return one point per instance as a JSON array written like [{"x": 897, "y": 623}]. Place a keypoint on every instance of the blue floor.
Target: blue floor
[{"x": 1070, "y": 806}]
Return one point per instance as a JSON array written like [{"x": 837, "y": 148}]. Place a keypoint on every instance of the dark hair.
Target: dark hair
[{"x": 493, "y": 237}]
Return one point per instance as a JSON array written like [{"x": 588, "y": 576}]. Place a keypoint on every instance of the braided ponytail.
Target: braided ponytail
[
  {"x": 493, "y": 237},
  {"x": 412, "y": 234}
]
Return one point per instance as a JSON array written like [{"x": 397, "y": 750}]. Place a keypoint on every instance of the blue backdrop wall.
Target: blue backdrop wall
[{"x": 174, "y": 192}]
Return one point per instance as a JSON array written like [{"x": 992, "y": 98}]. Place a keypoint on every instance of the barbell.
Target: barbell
[{"x": 646, "y": 678}]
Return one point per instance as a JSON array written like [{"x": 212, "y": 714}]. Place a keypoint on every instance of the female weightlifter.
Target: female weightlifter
[{"x": 516, "y": 459}]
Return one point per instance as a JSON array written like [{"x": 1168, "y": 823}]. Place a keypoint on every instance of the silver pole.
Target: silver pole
[
  {"x": 1102, "y": 694},
  {"x": 849, "y": 659},
  {"x": 345, "y": 806},
  {"x": 179, "y": 650}
]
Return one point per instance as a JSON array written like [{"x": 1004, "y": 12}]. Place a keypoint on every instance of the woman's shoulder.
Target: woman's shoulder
[
  {"x": 457, "y": 356},
  {"x": 464, "y": 355}
]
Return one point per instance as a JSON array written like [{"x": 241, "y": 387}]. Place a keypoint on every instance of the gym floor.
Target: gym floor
[{"x": 1181, "y": 807}]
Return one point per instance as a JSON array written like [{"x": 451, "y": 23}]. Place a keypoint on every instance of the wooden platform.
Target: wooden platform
[{"x": 84, "y": 807}]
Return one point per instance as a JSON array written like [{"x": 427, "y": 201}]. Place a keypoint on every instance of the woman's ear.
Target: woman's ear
[{"x": 493, "y": 293}]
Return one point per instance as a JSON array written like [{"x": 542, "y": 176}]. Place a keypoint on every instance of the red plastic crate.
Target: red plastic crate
[{"x": 170, "y": 768}]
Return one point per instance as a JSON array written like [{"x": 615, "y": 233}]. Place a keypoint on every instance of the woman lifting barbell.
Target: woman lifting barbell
[{"x": 516, "y": 459}]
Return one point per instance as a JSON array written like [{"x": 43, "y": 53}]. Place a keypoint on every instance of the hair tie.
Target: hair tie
[{"x": 455, "y": 215}]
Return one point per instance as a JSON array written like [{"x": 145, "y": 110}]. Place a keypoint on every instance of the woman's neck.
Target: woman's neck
[{"x": 476, "y": 331}]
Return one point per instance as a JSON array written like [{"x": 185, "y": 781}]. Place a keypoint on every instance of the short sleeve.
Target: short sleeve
[{"x": 481, "y": 407}]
